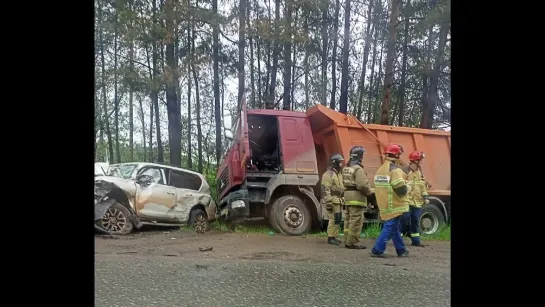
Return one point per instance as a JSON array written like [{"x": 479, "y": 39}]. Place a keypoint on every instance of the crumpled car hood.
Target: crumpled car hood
[{"x": 127, "y": 185}]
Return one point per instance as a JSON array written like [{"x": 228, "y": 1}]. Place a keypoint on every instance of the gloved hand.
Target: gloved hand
[
  {"x": 426, "y": 199},
  {"x": 329, "y": 206}
]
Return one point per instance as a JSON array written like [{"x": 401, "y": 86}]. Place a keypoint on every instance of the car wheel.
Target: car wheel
[
  {"x": 117, "y": 220},
  {"x": 199, "y": 220}
]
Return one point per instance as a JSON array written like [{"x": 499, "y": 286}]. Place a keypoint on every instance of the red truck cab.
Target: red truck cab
[{"x": 270, "y": 170}]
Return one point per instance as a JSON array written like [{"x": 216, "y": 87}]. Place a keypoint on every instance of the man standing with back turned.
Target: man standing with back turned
[
  {"x": 390, "y": 190},
  {"x": 356, "y": 191},
  {"x": 332, "y": 194}
]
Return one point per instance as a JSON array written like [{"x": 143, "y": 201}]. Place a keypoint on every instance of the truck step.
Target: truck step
[{"x": 258, "y": 185}]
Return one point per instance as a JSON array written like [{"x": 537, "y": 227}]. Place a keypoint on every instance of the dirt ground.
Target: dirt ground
[{"x": 165, "y": 242}]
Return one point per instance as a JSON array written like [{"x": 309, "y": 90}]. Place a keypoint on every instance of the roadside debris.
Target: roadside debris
[{"x": 205, "y": 249}]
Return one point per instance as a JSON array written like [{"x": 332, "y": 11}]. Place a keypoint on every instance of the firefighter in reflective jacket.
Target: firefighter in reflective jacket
[
  {"x": 391, "y": 190},
  {"x": 355, "y": 194},
  {"x": 416, "y": 198},
  {"x": 332, "y": 196}
]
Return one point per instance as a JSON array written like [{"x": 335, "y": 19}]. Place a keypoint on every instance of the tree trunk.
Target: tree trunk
[
  {"x": 103, "y": 81},
  {"x": 378, "y": 78},
  {"x": 251, "y": 43},
  {"x": 241, "y": 46},
  {"x": 189, "y": 113},
  {"x": 155, "y": 92},
  {"x": 198, "y": 111},
  {"x": 433, "y": 97},
  {"x": 131, "y": 107},
  {"x": 325, "y": 24},
  {"x": 116, "y": 98},
  {"x": 343, "y": 101},
  {"x": 143, "y": 123},
  {"x": 372, "y": 77},
  {"x": 276, "y": 51},
  {"x": 171, "y": 78},
  {"x": 401, "y": 109},
  {"x": 368, "y": 33},
  {"x": 215, "y": 56},
  {"x": 334, "y": 55},
  {"x": 151, "y": 113},
  {"x": 258, "y": 47},
  {"x": 286, "y": 105},
  {"x": 269, "y": 66},
  {"x": 305, "y": 65},
  {"x": 390, "y": 55}
]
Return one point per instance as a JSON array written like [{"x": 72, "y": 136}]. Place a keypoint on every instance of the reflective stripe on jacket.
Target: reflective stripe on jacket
[{"x": 387, "y": 178}]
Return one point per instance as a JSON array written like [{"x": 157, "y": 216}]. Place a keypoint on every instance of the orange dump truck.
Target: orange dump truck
[
  {"x": 275, "y": 159},
  {"x": 336, "y": 132}
]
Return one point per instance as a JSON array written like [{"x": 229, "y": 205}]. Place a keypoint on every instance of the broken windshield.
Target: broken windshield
[{"x": 122, "y": 170}]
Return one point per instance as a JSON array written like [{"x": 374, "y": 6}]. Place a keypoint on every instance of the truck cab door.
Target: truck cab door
[
  {"x": 297, "y": 145},
  {"x": 243, "y": 138}
]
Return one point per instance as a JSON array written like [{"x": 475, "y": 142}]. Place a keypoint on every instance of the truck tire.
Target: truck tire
[
  {"x": 272, "y": 220},
  {"x": 290, "y": 215},
  {"x": 117, "y": 220},
  {"x": 431, "y": 219}
]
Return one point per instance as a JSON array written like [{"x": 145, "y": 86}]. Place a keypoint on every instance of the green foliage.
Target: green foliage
[{"x": 371, "y": 231}]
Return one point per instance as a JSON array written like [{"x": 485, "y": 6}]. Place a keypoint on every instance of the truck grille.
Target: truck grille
[{"x": 223, "y": 181}]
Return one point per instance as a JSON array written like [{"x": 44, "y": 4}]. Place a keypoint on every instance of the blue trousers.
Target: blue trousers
[
  {"x": 412, "y": 220},
  {"x": 390, "y": 230}
]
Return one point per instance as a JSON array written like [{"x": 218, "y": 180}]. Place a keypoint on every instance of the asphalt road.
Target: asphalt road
[{"x": 131, "y": 280}]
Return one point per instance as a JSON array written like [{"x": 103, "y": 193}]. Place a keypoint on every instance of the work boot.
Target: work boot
[
  {"x": 404, "y": 254},
  {"x": 378, "y": 255},
  {"x": 354, "y": 246},
  {"x": 333, "y": 240}
]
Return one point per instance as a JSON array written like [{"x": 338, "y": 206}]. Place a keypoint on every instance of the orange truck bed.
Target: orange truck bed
[{"x": 335, "y": 132}]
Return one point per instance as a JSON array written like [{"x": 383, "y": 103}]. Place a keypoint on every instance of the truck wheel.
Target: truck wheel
[
  {"x": 432, "y": 219},
  {"x": 117, "y": 220},
  {"x": 291, "y": 216},
  {"x": 272, "y": 219}
]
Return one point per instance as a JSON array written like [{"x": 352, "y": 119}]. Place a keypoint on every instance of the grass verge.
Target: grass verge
[
  {"x": 369, "y": 231},
  {"x": 373, "y": 231}
]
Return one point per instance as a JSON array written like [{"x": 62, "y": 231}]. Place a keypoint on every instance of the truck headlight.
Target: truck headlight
[{"x": 238, "y": 204}]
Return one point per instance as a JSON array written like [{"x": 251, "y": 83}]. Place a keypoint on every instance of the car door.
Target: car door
[
  {"x": 155, "y": 200},
  {"x": 187, "y": 186}
]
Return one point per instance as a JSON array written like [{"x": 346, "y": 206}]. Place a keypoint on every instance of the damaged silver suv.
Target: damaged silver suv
[{"x": 136, "y": 194}]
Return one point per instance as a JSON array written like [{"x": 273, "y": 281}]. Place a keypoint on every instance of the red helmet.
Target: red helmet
[
  {"x": 416, "y": 156},
  {"x": 394, "y": 149}
]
